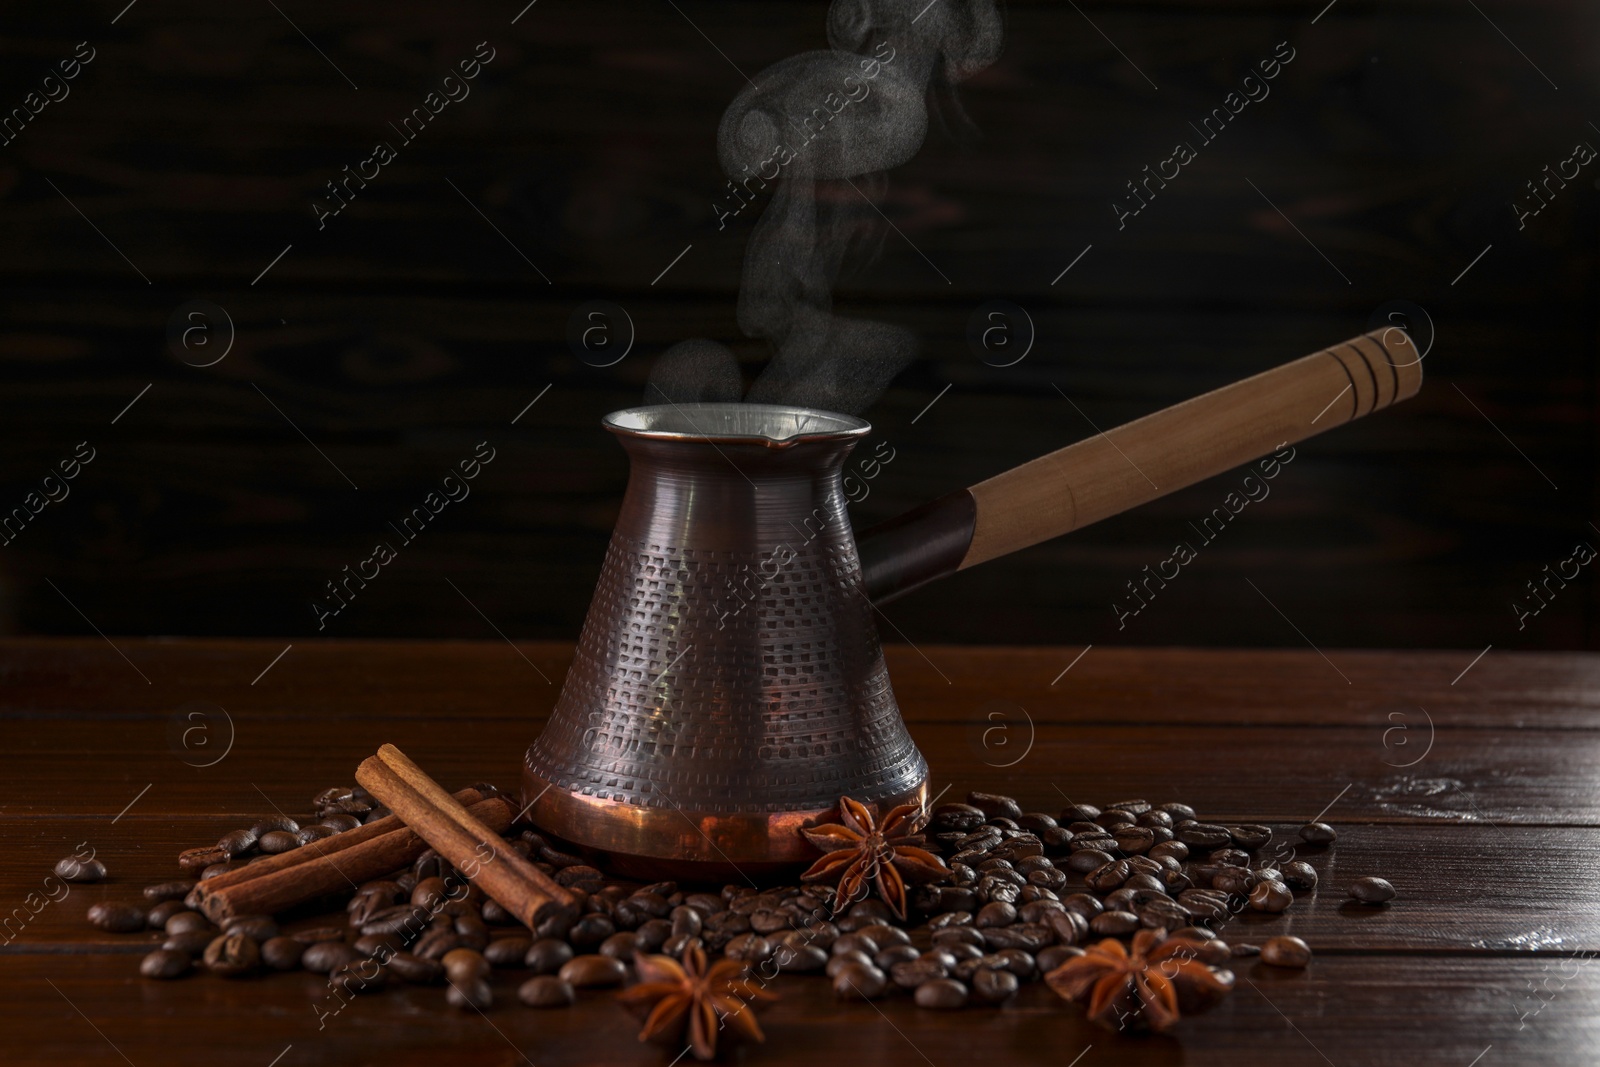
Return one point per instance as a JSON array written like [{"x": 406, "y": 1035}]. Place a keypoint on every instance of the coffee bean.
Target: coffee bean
[
  {"x": 752, "y": 948},
  {"x": 192, "y": 942},
  {"x": 941, "y": 994},
  {"x": 1156, "y": 818},
  {"x": 434, "y": 893},
  {"x": 652, "y": 934},
  {"x": 1245, "y": 951},
  {"x": 275, "y": 841},
  {"x": 1202, "y": 835},
  {"x": 1114, "y": 923},
  {"x": 589, "y": 931},
  {"x": 546, "y": 991},
  {"x": 578, "y": 874},
  {"x": 1016, "y": 961},
  {"x": 1163, "y": 913},
  {"x": 883, "y": 935},
  {"x": 1105, "y": 878},
  {"x": 955, "y": 935},
  {"x": 1299, "y": 874},
  {"x": 1235, "y": 881},
  {"x": 963, "y": 817},
  {"x": 1372, "y": 890},
  {"x": 997, "y": 913},
  {"x": 1134, "y": 840},
  {"x": 888, "y": 957},
  {"x": 340, "y": 822},
  {"x": 402, "y": 919},
  {"x": 1132, "y": 807},
  {"x": 1036, "y": 821},
  {"x": 359, "y": 976},
  {"x": 1030, "y": 937},
  {"x": 415, "y": 969},
  {"x": 994, "y": 805},
  {"x": 1286, "y": 952},
  {"x": 282, "y": 953},
  {"x": 73, "y": 869},
  {"x": 1174, "y": 881},
  {"x": 258, "y": 927},
  {"x": 1204, "y": 905},
  {"x": 386, "y": 891},
  {"x": 850, "y": 958},
  {"x": 1318, "y": 833},
  {"x": 619, "y": 946},
  {"x": 439, "y": 938},
  {"x": 859, "y": 981},
  {"x": 548, "y": 955},
  {"x": 800, "y": 959},
  {"x": 593, "y": 972},
  {"x": 117, "y": 918},
  {"x": 1054, "y": 956},
  {"x": 1069, "y": 927},
  {"x": 195, "y": 859},
  {"x": 372, "y": 944},
  {"x": 268, "y": 823},
  {"x": 992, "y": 986},
  {"x": 156, "y": 918},
  {"x": 1271, "y": 897},
  {"x": 1120, "y": 900},
  {"x": 1085, "y": 904},
  {"x": 473, "y": 932},
  {"x": 165, "y": 963},
  {"x": 233, "y": 955},
  {"x": 1174, "y": 849},
  {"x": 326, "y": 956},
  {"x": 1145, "y": 882},
  {"x": 1097, "y": 840},
  {"x": 687, "y": 920},
  {"x": 238, "y": 842},
  {"x": 1230, "y": 857},
  {"x": 462, "y": 965},
  {"x": 1112, "y": 820},
  {"x": 1250, "y": 835},
  {"x": 474, "y": 994},
  {"x": 167, "y": 891}
]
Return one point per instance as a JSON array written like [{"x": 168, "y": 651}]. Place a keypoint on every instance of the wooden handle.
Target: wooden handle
[{"x": 1111, "y": 472}]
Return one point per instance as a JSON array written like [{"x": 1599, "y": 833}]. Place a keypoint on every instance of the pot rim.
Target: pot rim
[{"x": 774, "y": 425}]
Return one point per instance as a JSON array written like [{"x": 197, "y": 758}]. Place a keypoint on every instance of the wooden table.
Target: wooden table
[{"x": 1486, "y": 821}]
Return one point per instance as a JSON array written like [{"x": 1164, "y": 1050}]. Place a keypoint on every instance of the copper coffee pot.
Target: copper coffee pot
[{"x": 729, "y": 685}]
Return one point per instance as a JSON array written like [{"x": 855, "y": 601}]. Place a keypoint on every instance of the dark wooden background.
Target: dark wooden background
[{"x": 409, "y": 330}]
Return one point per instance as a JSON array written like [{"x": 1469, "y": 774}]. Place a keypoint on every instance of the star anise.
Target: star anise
[
  {"x": 861, "y": 851},
  {"x": 1149, "y": 986},
  {"x": 690, "y": 1001}
]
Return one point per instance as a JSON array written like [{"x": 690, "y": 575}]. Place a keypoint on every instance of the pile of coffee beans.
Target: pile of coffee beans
[{"x": 1026, "y": 889}]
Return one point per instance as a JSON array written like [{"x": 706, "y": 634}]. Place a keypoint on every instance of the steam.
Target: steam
[{"x": 818, "y": 131}]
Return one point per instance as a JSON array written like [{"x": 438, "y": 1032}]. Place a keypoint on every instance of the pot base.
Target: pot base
[{"x": 669, "y": 842}]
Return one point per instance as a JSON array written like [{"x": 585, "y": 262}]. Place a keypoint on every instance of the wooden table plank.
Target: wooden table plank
[
  {"x": 40, "y": 676},
  {"x": 1351, "y": 1012},
  {"x": 1454, "y": 894},
  {"x": 1499, "y": 776}
]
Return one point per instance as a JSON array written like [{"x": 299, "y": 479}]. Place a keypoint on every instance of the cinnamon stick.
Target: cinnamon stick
[
  {"x": 327, "y": 866},
  {"x": 461, "y": 837}
]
